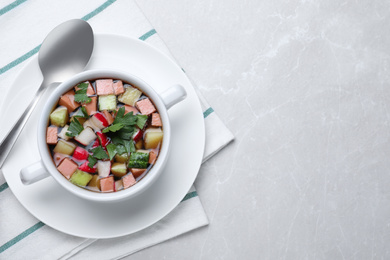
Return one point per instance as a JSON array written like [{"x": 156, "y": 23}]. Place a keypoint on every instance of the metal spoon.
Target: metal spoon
[{"x": 65, "y": 51}]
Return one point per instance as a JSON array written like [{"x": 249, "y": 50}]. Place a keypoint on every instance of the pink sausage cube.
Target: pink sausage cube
[
  {"x": 131, "y": 109},
  {"x": 118, "y": 87},
  {"x": 67, "y": 167},
  {"x": 137, "y": 172},
  {"x": 156, "y": 120},
  {"x": 152, "y": 156},
  {"x": 91, "y": 107},
  {"x": 67, "y": 100},
  {"x": 107, "y": 184},
  {"x": 90, "y": 90},
  {"x": 104, "y": 87},
  {"x": 51, "y": 135},
  {"x": 145, "y": 106},
  {"x": 128, "y": 181},
  {"x": 58, "y": 157}
]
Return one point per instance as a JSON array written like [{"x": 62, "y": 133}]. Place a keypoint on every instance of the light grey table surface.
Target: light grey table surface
[{"x": 304, "y": 87}]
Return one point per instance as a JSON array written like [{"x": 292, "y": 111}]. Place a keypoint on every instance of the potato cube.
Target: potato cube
[
  {"x": 153, "y": 137},
  {"x": 122, "y": 158},
  {"x": 130, "y": 96},
  {"x": 94, "y": 184},
  {"x": 119, "y": 169},
  {"x": 64, "y": 147}
]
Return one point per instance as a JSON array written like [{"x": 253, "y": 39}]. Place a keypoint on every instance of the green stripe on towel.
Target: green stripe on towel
[
  {"x": 98, "y": 10},
  {"x": 147, "y": 35},
  {"x": 189, "y": 196},
  {"x": 11, "y": 6},
  {"x": 21, "y": 236},
  {"x": 3, "y": 186},
  {"x": 36, "y": 49},
  {"x": 41, "y": 224},
  {"x": 19, "y": 60},
  {"x": 208, "y": 112}
]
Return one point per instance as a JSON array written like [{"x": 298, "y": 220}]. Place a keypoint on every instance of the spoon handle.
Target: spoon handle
[{"x": 13, "y": 134}]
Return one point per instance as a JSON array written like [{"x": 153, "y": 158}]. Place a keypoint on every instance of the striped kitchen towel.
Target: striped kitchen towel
[{"x": 24, "y": 24}]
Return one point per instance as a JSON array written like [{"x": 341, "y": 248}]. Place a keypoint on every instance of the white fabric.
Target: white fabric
[{"x": 24, "y": 24}]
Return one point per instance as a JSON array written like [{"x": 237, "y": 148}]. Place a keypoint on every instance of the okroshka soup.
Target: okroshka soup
[{"x": 104, "y": 135}]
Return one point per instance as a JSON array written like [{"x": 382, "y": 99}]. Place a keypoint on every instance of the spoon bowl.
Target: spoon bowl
[{"x": 65, "y": 52}]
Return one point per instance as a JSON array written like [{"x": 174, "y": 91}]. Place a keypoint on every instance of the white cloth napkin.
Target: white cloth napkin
[{"x": 24, "y": 24}]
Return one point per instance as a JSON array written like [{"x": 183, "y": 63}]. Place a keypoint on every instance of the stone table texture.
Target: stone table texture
[{"x": 304, "y": 87}]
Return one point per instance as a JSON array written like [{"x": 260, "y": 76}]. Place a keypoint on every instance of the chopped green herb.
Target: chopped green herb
[
  {"x": 127, "y": 144},
  {"x": 116, "y": 140},
  {"x": 99, "y": 153},
  {"x": 82, "y": 98},
  {"x": 81, "y": 94},
  {"x": 111, "y": 149},
  {"x": 126, "y": 132},
  {"x": 131, "y": 146},
  {"x": 123, "y": 127},
  {"x": 91, "y": 161},
  {"x": 141, "y": 120},
  {"x": 84, "y": 110},
  {"x": 119, "y": 114},
  {"x": 127, "y": 120},
  {"x": 75, "y": 128},
  {"x": 113, "y": 128},
  {"x": 120, "y": 149}
]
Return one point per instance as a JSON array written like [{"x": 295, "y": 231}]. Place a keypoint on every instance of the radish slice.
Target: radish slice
[
  {"x": 80, "y": 154},
  {"x": 85, "y": 168},
  {"x": 103, "y": 168},
  {"x": 99, "y": 120},
  {"x": 62, "y": 134},
  {"x": 96, "y": 143},
  {"x": 137, "y": 135},
  {"x": 90, "y": 124},
  {"x": 103, "y": 139},
  {"x": 86, "y": 136}
]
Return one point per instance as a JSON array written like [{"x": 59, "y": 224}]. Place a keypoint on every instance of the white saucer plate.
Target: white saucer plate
[{"x": 59, "y": 209}]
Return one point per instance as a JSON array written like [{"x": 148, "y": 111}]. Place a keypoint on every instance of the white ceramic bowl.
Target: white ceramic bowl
[{"x": 46, "y": 167}]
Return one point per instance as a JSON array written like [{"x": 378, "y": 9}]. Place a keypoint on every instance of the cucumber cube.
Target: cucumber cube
[
  {"x": 64, "y": 147},
  {"x": 119, "y": 169},
  {"x": 80, "y": 178},
  {"x": 59, "y": 116},
  {"x": 107, "y": 102},
  {"x": 130, "y": 96},
  {"x": 139, "y": 160}
]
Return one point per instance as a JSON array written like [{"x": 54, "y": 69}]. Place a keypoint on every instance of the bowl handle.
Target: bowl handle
[
  {"x": 173, "y": 95},
  {"x": 33, "y": 173}
]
